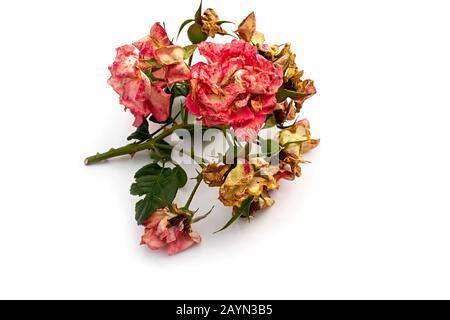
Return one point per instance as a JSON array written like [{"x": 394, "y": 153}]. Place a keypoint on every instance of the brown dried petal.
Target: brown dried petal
[
  {"x": 248, "y": 179},
  {"x": 210, "y": 24},
  {"x": 247, "y": 28},
  {"x": 234, "y": 190},
  {"x": 214, "y": 174}
]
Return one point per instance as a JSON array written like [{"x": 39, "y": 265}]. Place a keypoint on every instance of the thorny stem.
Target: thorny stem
[{"x": 134, "y": 148}]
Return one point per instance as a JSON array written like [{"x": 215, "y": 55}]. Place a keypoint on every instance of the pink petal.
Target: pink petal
[
  {"x": 152, "y": 241},
  {"x": 183, "y": 242},
  {"x": 192, "y": 105},
  {"x": 244, "y": 114},
  {"x": 237, "y": 87},
  {"x": 172, "y": 234},
  {"x": 248, "y": 131},
  {"x": 145, "y": 46},
  {"x": 211, "y": 51},
  {"x": 160, "y": 103},
  {"x": 177, "y": 73},
  {"x": 159, "y": 36}
]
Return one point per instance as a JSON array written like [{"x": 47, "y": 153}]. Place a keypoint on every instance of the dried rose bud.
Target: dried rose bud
[{"x": 210, "y": 24}]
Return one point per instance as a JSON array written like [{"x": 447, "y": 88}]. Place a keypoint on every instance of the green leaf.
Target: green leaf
[
  {"x": 221, "y": 22},
  {"x": 147, "y": 184},
  {"x": 180, "y": 90},
  {"x": 151, "y": 169},
  {"x": 189, "y": 51},
  {"x": 244, "y": 209},
  {"x": 145, "y": 207},
  {"x": 153, "y": 63},
  {"x": 184, "y": 24},
  {"x": 271, "y": 122},
  {"x": 141, "y": 133},
  {"x": 198, "y": 14},
  {"x": 158, "y": 185},
  {"x": 181, "y": 176},
  {"x": 283, "y": 94},
  {"x": 151, "y": 76}
]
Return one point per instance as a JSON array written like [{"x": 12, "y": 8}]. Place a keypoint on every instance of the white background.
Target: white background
[{"x": 369, "y": 219}]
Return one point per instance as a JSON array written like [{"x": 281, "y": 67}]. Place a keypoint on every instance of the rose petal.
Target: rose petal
[
  {"x": 170, "y": 55},
  {"x": 237, "y": 87},
  {"x": 160, "y": 103},
  {"x": 159, "y": 36},
  {"x": 183, "y": 241},
  {"x": 152, "y": 241},
  {"x": 247, "y": 28},
  {"x": 177, "y": 73},
  {"x": 248, "y": 131}
]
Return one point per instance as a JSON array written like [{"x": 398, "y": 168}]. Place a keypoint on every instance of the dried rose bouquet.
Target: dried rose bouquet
[{"x": 238, "y": 89}]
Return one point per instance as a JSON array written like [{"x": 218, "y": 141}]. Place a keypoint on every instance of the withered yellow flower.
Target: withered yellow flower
[
  {"x": 295, "y": 142},
  {"x": 248, "y": 179},
  {"x": 210, "y": 24},
  {"x": 214, "y": 174},
  {"x": 293, "y": 76},
  {"x": 285, "y": 111},
  {"x": 264, "y": 201}
]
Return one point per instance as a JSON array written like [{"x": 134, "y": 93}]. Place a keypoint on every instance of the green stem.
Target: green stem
[
  {"x": 134, "y": 148},
  {"x": 247, "y": 151},
  {"x": 194, "y": 191},
  {"x": 185, "y": 114}
]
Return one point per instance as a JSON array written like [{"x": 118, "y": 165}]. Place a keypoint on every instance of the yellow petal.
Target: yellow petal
[
  {"x": 258, "y": 38},
  {"x": 214, "y": 174}
]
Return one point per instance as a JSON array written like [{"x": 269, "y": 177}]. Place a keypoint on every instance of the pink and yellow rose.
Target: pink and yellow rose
[
  {"x": 141, "y": 72},
  {"x": 236, "y": 87},
  {"x": 165, "y": 229}
]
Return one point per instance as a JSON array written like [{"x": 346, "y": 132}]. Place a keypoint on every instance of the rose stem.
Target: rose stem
[
  {"x": 194, "y": 191},
  {"x": 132, "y": 149}
]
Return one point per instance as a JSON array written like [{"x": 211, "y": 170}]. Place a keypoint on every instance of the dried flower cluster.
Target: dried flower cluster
[{"x": 243, "y": 87}]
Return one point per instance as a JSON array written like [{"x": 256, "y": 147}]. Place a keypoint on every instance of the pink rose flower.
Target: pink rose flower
[
  {"x": 131, "y": 70},
  {"x": 158, "y": 47},
  {"x": 237, "y": 87},
  {"x": 160, "y": 232}
]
